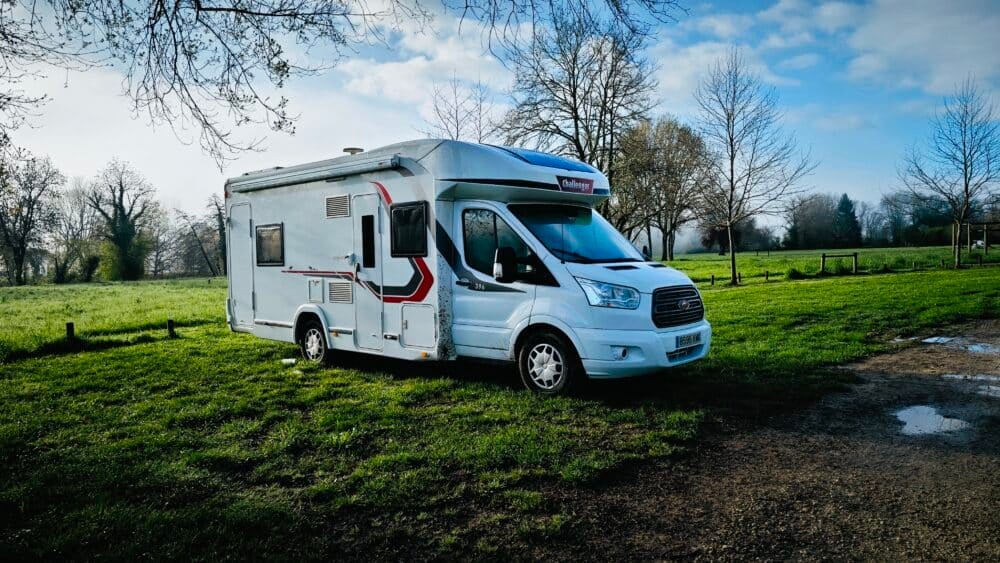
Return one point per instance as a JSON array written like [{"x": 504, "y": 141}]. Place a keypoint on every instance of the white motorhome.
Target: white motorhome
[{"x": 433, "y": 250}]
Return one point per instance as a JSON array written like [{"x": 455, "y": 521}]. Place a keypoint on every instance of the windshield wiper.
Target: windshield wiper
[
  {"x": 612, "y": 260},
  {"x": 579, "y": 257}
]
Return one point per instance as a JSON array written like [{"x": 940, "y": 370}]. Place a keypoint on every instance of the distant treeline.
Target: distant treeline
[{"x": 109, "y": 227}]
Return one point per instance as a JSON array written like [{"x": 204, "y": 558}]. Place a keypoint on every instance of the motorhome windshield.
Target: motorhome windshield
[{"x": 575, "y": 234}]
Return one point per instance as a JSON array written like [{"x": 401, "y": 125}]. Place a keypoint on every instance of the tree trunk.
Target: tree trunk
[
  {"x": 732, "y": 256},
  {"x": 665, "y": 254},
  {"x": 19, "y": 258}
]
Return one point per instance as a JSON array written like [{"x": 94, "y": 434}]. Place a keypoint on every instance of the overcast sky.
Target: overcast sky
[{"x": 857, "y": 82}]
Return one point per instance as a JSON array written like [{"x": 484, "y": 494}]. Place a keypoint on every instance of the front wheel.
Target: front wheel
[
  {"x": 313, "y": 342},
  {"x": 549, "y": 364}
]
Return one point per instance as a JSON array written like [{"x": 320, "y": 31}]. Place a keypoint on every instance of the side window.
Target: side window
[
  {"x": 484, "y": 232},
  {"x": 270, "y": 245},
  {"x": 408, "y": 225}
]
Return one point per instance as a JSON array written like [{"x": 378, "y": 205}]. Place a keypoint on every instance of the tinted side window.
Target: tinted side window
[
  {"x": 270, "y": 245},
  {"x": 409, "y": 229},
  {"x": 484, "y": 232}
]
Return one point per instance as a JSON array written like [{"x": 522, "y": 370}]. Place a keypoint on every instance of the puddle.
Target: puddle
[
  {"x": 922, "y": 419},
  {"x": 983, "y": 349},
  {"x": 980, "y": 377},
  {"x": 989, "y": 391},
  {"x": 964, "y": 343}
]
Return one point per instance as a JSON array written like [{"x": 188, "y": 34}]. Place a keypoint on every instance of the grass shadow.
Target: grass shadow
[
  {"x": 740, "y": 393},
  {"x": 66, "y": 346}
]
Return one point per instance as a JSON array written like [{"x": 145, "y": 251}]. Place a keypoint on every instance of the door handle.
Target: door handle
[{"x": 463, "y": 282}]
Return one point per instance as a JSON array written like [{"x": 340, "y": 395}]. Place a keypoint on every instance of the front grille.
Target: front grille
[{"x": 669, "y": 307}]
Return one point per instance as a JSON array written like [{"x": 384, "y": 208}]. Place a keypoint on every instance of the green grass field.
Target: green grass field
[
  {"x": 206, "y": 447},
  {"x": 753, "y": 264}
]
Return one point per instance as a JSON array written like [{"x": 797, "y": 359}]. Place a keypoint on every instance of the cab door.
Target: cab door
[
  {"x": 368, "y": 271},
  {"x": 485, "y": 312}
]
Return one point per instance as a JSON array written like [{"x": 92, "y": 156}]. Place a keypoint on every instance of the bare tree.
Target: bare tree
[
  {"x": 961, "y": 162},
  {"x": 28, "y": 194},
  {"x": 685, "y": 171},
  {"x": 161, "y": 238},
  {"x": 632, "y": 205},
  {"x": 217, "y": 215},
  {"x": 755, "y": 164},
  {"x": 123, "y": 198},
  {"x": 72, "y": 240},
  {"x": 220, "y": 64},
  {"x": 194, "y": 226},
  {"x": 461, "y": 111},
  {"x": 577, "y": 88}
]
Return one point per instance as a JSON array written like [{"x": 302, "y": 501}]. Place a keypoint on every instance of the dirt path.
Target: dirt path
[{"x": 839, "y": 480}]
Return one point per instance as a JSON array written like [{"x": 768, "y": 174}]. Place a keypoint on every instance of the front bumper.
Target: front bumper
[{"x": 647, "y": 350}]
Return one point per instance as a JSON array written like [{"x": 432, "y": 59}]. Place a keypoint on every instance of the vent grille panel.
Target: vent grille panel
[
  {"x": 338, "y": 206},
  {"x": 341, "y": 292},
  {"x": 667, "y": 310}
]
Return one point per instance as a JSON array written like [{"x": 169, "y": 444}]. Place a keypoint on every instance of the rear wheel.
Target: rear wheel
[
  {"x": 549, "y": 364},
  {"x": 312, "y": 342}
]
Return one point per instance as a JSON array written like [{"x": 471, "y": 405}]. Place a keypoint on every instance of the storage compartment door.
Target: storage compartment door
[{"x": 419, "y": 326}]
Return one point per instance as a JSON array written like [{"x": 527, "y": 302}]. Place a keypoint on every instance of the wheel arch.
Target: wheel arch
[
  {"x": 310, "y": 312},
  {"x": 538, "y": 324}
]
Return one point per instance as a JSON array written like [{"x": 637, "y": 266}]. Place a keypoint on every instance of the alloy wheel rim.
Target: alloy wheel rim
[
  {"x": 545, "y": 366},
  {"x": 314, "y": 344}
]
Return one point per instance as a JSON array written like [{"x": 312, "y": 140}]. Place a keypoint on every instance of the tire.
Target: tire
[
  {"x": 549, "y": 365},
  {"x": 312, "y": 342}
]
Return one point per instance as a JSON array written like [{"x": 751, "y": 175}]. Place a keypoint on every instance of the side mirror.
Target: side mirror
[{"x": 505, "y": 265}]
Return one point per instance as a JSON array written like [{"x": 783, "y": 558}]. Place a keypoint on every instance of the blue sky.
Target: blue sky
[{"x": 858, "y": 83}]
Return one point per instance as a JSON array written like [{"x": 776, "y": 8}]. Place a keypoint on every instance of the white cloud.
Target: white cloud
[
  {"x": 927, "y": 44},
  {"x": 363, "y": 102},
  {"x": 427, "y": 57},
  {"x": 792, "y": 16},
  {"x": 86, "y": 124},
  {"x": 841, "y": 122},
  {"x": 800, "y": 62},
  {"x": 833, "y": 16},
  {"x": 682, "y": 67},
  {"x": 787, "y": 40},
  {"x": 823, "y": 118},
  {"x": 722, "y": 26}
]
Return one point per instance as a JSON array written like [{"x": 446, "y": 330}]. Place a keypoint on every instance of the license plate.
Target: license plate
[{"x": 686, "y": 340}]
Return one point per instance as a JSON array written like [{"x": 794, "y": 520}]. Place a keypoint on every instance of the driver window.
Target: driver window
[{"x": 484, "y": 232}]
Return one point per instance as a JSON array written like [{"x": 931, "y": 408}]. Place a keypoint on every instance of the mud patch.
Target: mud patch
[
  {"x": 901, "y": 466},
  {"x": 968, "y": 349}
]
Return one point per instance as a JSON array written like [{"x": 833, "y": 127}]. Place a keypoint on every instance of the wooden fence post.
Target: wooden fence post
[
  {"x": 855, "y": 262},
  {"x": 822, "y": 263},
  {"x": 765, "y": 275},
  {"x": 170, "y": 329},
  {"x": 739, "y": 278},
  {"x": 713, "y": 279},
  {"x": 70, "y": 331}
]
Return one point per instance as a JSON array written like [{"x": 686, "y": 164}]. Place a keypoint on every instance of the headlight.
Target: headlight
[{"x": 601, "y": 294}]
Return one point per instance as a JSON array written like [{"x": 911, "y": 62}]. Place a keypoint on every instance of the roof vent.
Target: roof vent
[{"x": 353, "y": 150}]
